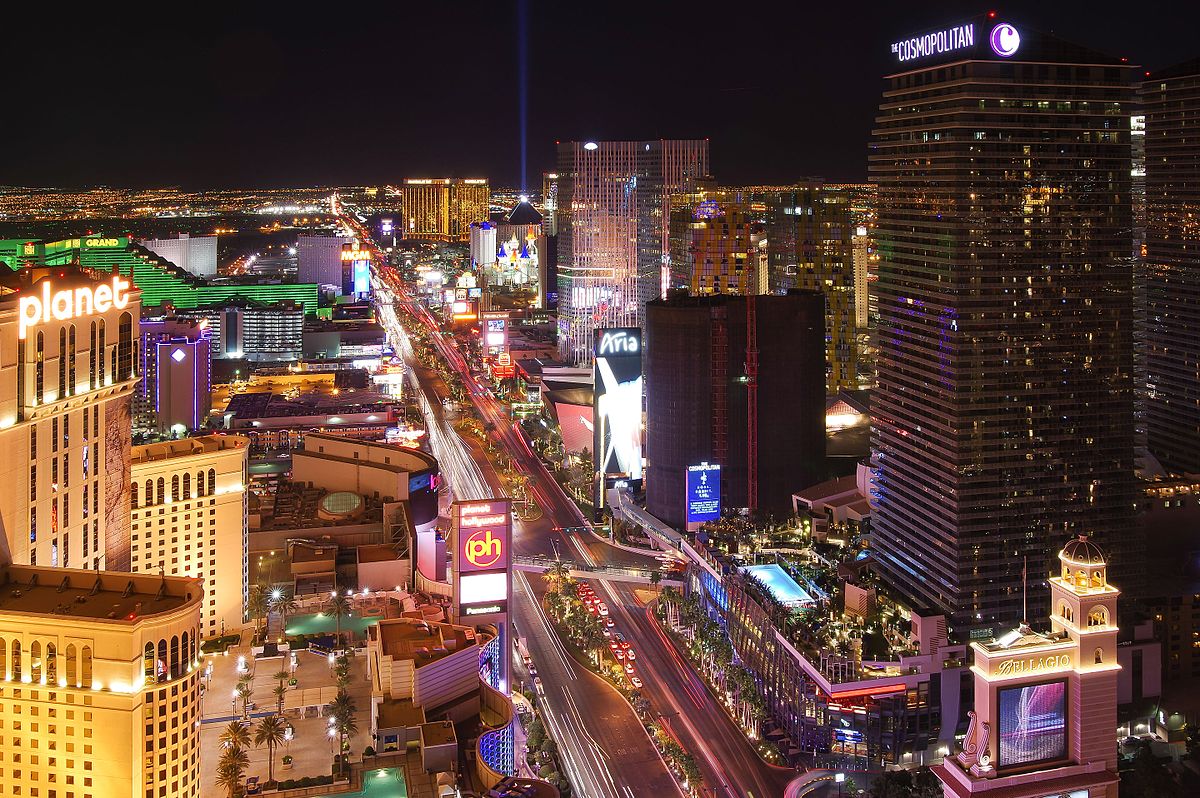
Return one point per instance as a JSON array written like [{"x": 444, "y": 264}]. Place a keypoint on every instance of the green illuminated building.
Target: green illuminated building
[{"x": 160, "y": 281}]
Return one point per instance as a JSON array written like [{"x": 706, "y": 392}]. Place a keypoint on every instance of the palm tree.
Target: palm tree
[
  {"x": 243, "y": 691},
  {"x": 231, "y": 769},
  {"x": 342, "y": 709},
  {"x": 271, "y": 731},
  {"x": 557, "y": 575},
  {"x": 339, "y": 606},
  {"x": 282, "y": 601},
  {"x": 257, "y": 606},
  {"x": 235, "y": 735}
]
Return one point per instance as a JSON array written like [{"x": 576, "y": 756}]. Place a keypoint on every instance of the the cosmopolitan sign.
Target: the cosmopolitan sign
[
  {"x": 1004, "y": 40},
  {"x": 703, "y": 493},
  {"x": 958, "y": 37},
  {"x": 70, "y": 303}
]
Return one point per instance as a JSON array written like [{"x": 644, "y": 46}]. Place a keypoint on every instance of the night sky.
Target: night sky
[{"x": 360, "y": 94}]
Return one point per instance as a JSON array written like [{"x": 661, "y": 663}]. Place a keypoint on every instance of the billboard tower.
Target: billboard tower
[
  {"x": 482, "y": 578},
  {"x": 617, "y": 408}
]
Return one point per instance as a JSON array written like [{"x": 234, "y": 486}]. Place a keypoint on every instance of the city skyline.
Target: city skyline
[{"x": 261, "y": 101}]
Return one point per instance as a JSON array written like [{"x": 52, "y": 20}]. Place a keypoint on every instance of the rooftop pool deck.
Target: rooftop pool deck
[{"x": 782, "y": 587}]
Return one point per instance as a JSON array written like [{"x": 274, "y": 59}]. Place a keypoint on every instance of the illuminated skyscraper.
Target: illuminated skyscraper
[
  {"x": 443, "y": 209},
  {"x": 1171, "y": 103},
  {"x": 1003, "y": 418},
  {"x": 68, "y": 338},
  {"x": 613, "y": 239},
  {"x": 718, "y": 245}
]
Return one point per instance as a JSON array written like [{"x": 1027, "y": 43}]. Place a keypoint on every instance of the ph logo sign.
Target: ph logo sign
[{"x": 482, "y": 549}]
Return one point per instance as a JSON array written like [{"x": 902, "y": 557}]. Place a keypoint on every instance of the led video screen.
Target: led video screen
[{"x": 1033, "y": 724}]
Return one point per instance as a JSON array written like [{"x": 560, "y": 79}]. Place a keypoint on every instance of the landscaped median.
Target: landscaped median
[{"x": 582, "y": 634}]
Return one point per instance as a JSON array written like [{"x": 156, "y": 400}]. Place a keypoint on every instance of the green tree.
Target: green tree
[
  {"x": 235, "y": 735},
  {"x": 271, "y": 732},
  {"x": 283, "y": 602},
  {"x": 656, "y": 578},
  {"x": 231, "y": 769},
  {"x": 257, "y": 606},
  {"x": 339, "y": 605},
  {"x": 557, "y": 575},
  {"x": 343, "y": 710}
]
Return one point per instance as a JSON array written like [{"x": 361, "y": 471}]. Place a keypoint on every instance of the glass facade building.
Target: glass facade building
[
  {"x": 1003, "y": 418},
  {"x": 1171, "y": 104}
]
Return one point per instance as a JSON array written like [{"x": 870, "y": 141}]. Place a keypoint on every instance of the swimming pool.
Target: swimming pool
[{"x": 782, "y": 587}]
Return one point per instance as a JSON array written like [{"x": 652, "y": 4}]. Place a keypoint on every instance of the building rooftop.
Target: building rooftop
[
  {"x": 377, "y": 552},
  {"x": 420, "y": 641},
  {"x": 524, "y": 213},
  {"x": 395, "y": 713},
  {"x": 203, "y": 444},
  {"x": 94, "y": 595},
  {"x": 439, "y": 733}
]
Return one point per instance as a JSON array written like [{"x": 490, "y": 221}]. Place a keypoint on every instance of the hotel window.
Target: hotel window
[
  {"x": 40, "y": 370},
  {"x": 71, "y": 360},
  {"x": 62, "y": 362},
  {"x": 91, "y": 364},
  {"x": 54, "y": 435},
  {"x": 33, "y": 441}
]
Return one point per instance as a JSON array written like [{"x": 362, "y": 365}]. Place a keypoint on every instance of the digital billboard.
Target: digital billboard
[
  {"x": 1033, "y": 724},
  {"x": 703, "y": 493},
  {"x": 484, "y": 535},
  {"x": 494, "y": 332},
  {"x": 617, "y": 406},
  {"x": 362, "y": 276}
]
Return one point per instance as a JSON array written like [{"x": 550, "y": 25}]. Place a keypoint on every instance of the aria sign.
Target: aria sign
[
  {"x": 618, "y": 342},
  {"x": 1004, "y": 40},
  {"x": 70, "y": 303}
]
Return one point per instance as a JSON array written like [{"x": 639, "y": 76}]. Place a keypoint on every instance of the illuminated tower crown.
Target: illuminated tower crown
[{"x": 1046, "y": 703}]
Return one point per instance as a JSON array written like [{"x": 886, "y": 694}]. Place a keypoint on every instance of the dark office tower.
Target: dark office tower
[
  {"x": 1171, "y": 104},
  {"x": 613, "y": 243},
  {"x": 1003, "y": 419},
  {"x": 700, "y": 383}
]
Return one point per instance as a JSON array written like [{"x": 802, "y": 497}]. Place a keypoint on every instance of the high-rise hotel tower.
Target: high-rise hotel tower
[
  {"x": 613, "y": 214},
  {"x": 68, "y": 368},
  {"x": 1004, "y": 411}
]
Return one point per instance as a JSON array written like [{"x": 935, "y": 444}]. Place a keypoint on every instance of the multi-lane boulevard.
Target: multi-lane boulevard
[{"x": 604, "y": 747}]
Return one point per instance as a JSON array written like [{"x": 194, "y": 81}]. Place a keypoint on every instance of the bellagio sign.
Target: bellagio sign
[{"x": 70, "y": 303}]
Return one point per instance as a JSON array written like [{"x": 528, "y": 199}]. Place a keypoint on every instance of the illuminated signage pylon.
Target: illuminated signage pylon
[
  {"x": 70, "y": 303},
  {"x": 1046, "y": 702}
]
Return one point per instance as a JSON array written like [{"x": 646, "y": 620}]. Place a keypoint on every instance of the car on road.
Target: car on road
[
  {"x": 537, "y": 685},
  {"x": 615, "y": 645},
  {"x": 629, "y": 668},
  {"x": 608, "y": 623},
  {"x": 629, "y": 652},
  {"x": 620, "y": 653},
  {"x": 603, "y": 609},
  {"x": 636, "y": 682}
]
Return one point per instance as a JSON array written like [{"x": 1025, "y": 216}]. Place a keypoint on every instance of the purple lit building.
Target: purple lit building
[{"x": 176, "y": 386}]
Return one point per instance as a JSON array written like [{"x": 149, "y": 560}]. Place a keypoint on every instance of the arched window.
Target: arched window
[
  {"x": 133, "y": 492},
  {"x": 51, "y": 664},
  {"x": 35, "y": 662},
  {"x": 1099, "y": 656},
  {"x": 199, "y": 483},
  {"x": 72, "y": 666},
  {"x": 149, "y": 492},
  {"x": 161, "y": 491},
  {"x": 175, "y": 656},
  {"x": 162, "y": 660},
  {"x": 183, "y": 652},
  {"x": 148, "y": 662},
  {"x": 71, "y": 360},
  {"x": 212, "y": 481},
  {"x": 175, "y": 488},
  {"x": 3, "y": 658},
  {"x": 92, "y": 357},
  {"x": 1081, "y": 579},
  {"x": 1097, "y": 616},
  {"x": 62, "y": 362},
  {"x": 192, "y": 653},
  {"x": 85, "y": 666},
  {"x": 187, "y": 485},
  {"x": 101, "y": 353},
  {"x": 39, "y": 383},
  {"x": 1098, "y": 578},
  {"x": 16, "y": 661},
  {"x": 125, "y": 347}
]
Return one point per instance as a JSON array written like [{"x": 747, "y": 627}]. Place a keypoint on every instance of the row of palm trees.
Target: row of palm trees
[
  {"x": 270, "y": 731},
  {"x": 264, "y": 599},
  {"x": 582, "y": 627},
  {"x": 711, "y": 648}
]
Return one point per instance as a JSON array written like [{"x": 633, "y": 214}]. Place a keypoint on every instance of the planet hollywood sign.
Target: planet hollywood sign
[{"x": 70, "y": 303}]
